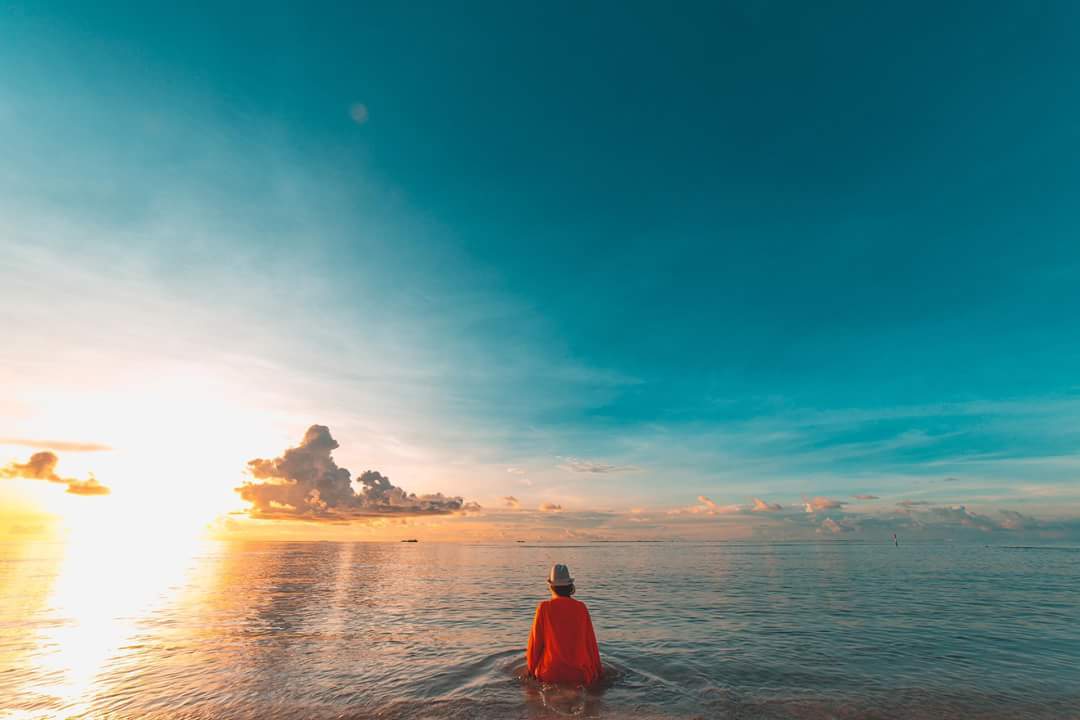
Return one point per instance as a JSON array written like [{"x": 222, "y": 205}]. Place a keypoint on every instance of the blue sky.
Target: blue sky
[{"x": 604, "y": 256}]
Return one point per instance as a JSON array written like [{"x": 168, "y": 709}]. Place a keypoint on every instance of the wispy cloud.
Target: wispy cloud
[
  {"x": 866, "y": 497},
  {"x": 511, "y": 502},
  {"x": 549, "y": 507},
  {"x": 590, "y": 466},
  {"x": 61, "y": 445}
]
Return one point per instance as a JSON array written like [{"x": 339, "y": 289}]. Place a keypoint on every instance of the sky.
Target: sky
[{"x": 541, "y": 270}]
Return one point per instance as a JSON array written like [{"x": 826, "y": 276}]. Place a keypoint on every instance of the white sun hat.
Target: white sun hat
[{"x": 560, "y": 576}]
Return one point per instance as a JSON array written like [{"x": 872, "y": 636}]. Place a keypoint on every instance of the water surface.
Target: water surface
[{"x": 365, "y": 630}]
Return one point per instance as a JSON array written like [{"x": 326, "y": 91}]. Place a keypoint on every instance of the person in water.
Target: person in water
[{"x": 562, "y": 645}]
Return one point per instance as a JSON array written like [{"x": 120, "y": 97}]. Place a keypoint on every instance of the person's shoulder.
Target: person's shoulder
[{"x": 582, "y": 607}]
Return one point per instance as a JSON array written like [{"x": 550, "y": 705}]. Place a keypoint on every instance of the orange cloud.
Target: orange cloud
[
  {"x": 62, "y": 445},
  {"x": 706, "y": 507},
  {"x": 87, "y": 487},
  {"x": 822, "y": 503},
  {"x": 305, "y": 483},
  {"x": 42, "y": 466},
  {"x": 762, "y": 506}
]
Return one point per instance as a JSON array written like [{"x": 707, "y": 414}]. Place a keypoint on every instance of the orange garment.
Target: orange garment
[{"x": 562, "y": 644}]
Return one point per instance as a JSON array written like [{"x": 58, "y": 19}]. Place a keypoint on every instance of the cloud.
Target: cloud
[
  {"x": 61, "y": 445},
  {"x": 1012, "y": 520},
  {"x": 762, "y": 506},
  {"x": 706, "y": 507},
  {"x": 963, "y": 516},
  {"x": 707, "y": 502},
  {"x": 42, "y": 466},
  {"x": 865, "y": 497},
  {"x": 549, "y": 507},
  {"x": 818, "y": 504},
  {"x": 305, "y": 483},
  {"x": 589, "y": 466},
  {"x": 912, "y": 503},
  {"x": 87, "y": 487},
  {"x": 520, "y": 472},
  {"x": 359, "y": 113},
  {"x": 835, "y": 527},
  {"x": 511, "y": 502}
]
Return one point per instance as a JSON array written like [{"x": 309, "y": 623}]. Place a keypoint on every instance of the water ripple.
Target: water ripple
[{"x": 325, "y": 630}]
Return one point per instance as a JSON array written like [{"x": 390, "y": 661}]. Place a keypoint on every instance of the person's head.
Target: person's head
[
  {"x": 564, "y": 590},
  {"x": 560, "y": 582}
]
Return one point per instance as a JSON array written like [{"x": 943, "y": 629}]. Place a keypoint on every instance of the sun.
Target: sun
[{"x": 179, "y": 441}]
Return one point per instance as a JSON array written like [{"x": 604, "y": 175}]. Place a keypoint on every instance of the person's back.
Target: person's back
[{"x": 562, "y": 645}]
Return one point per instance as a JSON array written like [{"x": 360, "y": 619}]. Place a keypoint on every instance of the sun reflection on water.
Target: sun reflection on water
[{"x": 100, "y": 589}]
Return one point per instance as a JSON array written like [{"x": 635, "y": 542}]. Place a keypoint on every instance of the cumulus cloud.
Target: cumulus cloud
[
  {"x": 589, "y": 466},
  {"x": 818, "y": 504},
  {"x": 61, "y": 445},
  {"x": 762, "y": 506},
  {"x": 865, "y": 497},
  {"x": 511, "y": 502},
  {"x": 42, "y": 466},
  {"x": 305, "y": 483},
  {"x": 549, "y": 507}
]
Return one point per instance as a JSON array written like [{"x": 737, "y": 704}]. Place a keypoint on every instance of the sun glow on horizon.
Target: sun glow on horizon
[{"x": 179, "y": 440}]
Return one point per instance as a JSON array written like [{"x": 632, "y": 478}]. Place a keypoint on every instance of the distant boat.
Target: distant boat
[{"x": 411, "y": 540}]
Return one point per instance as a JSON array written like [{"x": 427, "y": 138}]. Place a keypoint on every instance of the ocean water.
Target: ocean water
[{"x": 367, "y": 630}]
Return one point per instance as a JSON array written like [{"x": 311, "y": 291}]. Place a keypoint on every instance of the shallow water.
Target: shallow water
[{"x": 355, "y": 630}]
